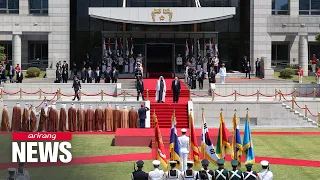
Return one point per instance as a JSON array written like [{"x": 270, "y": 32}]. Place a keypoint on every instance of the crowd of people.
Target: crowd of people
[
  {"x": 11, "y": 73},
  {"x": 72, "y": 119}
]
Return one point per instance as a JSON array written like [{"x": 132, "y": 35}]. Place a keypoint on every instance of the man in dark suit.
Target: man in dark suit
[
  {"x": 90, "y": 75},
  {"x": 212, "y": 76},
  {"x": 65, "y": 69},
  {"x": 11, "y": 73},
  {"x": 175, "y": 87},
  {"x": 201, "y": 78},
  {"x": 84, "y": 75},
  {"x": 142, "y": 112},
  {"x": 19, "y": 76},
  {"x": 107, "y": 75},
  {"x": 140, "y": 88},
  {"x": 114, "y": 75},
  {"x": 76, "y": 87},
  {"x": 97, "y": 75}
]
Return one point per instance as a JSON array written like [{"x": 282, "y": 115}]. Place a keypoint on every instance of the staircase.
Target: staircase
[{"x": 307, "y": 121}]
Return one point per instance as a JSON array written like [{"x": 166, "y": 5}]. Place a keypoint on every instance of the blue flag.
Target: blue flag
[
  {"x": 247, "y": 146},
  {"x": 174, "y": 144}
]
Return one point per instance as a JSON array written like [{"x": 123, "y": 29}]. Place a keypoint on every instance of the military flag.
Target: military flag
[
  {"x": 132, "y": 46},
  {"x": 116, "y": 47},
  {"x": 161, "y": 155},
  {"x": 109, "y": 48},
  {"x": 192, "y": 50},
  {"x": 207, "y": 147},
  {"x": 216, "y": 49},
  {"x": 121, "y": 47},
  {"x": 211, "y": 49},
  {"x": 204, "y": 48},
  {"x": 199, "y": 49},
  {"x": 104, "y": 47},
  {"x": 195, "y": 153},
  {"x": 236, "y": 145},
  {"x": 187, "y": 48},
  {"x": 174, "y": 143},
  {"x": 247, "y": 146},
  {"x": 127, "y": 47},
  {"x": 223, "y": 145}
]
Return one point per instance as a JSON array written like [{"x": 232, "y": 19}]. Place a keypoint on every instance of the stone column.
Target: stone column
[
  {"x": 16, "y": 59},
  {"x": 303, "y": 53}
]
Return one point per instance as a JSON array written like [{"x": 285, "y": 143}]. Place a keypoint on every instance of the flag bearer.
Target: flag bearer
[
  {"x": 139, "y": 174},
  {"x": 184, "y": 146},
  {"x": 265, "y": 173},
  {"x": 209, "y": 173},
  {"x": 221, "y": 173},
  {"x": 235, "y": 174},
  {"x": 173, "y": 173},
  {"x": 189, "y": 174},
  {"x": 249, "y": 174},
  {"x": 156, "y": 174}
]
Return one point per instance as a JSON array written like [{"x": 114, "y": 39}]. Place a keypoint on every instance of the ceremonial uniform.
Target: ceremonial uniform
[
  {"x": 5, "y": 126},
  {"x": 120, "y": 60},
  {"x": 90, "y": 119},
  {"x": 156, "y": 174},
  {"x": 318, "y": 76},
  {"x": 235, "y": 174},
  {"x": 205, "y": 173},
  {"x": 189, "y": 174},
  {"x": 72, "y": 118},
  {"x": 43, "y": 118},
  {"x": 25, "y": 118},
  {"x": 99, "y": 118},
  {"x": 139, "y": 174},
  {"x": 81, "y": 115},
  {"x": 179, "y": 62},
  {"x": 131, "y": 65},
  {"x": 221, "y": 173},
  {"x": 63, "y": 119},
  {"x": 16, "y": 118},
  {"x": 300, "y": 74},
  {"x": 184, "y": 147},
  {"x": 265, "y": 173},
  {"x": 249, "y": 174},
  {"x": 108, "y": 118},
  {"x": 173, "y": 174},
  {"x": 53, "y": 120}
]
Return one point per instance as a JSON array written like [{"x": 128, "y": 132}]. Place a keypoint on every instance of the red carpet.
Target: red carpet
[{"x": 164, "y": 110}]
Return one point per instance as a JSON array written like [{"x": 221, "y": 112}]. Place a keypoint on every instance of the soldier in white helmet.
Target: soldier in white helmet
[
  {"x": 173, "y": 173},
  {"x": 265, "y": 173},
  {"x": 156, "y": 174},
  {"x": 184, "y": 145},
  {"x": 189, "y": 174}
]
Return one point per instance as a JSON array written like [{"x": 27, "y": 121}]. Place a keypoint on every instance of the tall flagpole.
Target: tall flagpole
[
  {"x": 234, "y": 134},
  {"x": 204, "y": 154}
]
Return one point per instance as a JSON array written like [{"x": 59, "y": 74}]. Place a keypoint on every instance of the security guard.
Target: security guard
[
  {"x": 209, "y": 173},
  {"x": 221, "y": 173},
  {"x": 184, "y": 149},
  {"x": 189, "y": 174},
  {"x": 156, "y": 174},
  {"x": 173, "y": 173},
  {"x": 249, "y": 174},
  {"x": 265, "y": 173},
  {"x": 139, "y": 174},
  {"x": 235, "y": 174},
  {"x": 11, "y": 172}
]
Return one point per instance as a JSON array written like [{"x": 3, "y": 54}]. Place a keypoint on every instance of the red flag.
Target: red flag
[
  {"x": 194, "y": 143},
  {"x": 161, "y": 155}
]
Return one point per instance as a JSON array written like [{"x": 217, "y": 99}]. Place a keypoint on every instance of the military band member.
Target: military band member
[
  {"x": 22, "y": 173},
  {"x": 189, "y": 174},
  {"x": 12, "y": 172},
  {"x": 209, "y": 173},
  {"x": 235, "y": 174},
  {"x": 265, "y": 173},
  {"x": 249, "y": 174},
  {"x": 221, "y": 173},
  {"x": 173, "y": 173},
  {"x": 184, "y": 149},
  {"x": 156, "y": 174},
  {"x": 179, "y": 62},
  {"x": 139, "y": 174}
]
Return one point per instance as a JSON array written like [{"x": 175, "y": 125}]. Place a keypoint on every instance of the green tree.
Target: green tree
[
  {"x": 318, "y": 37},
  {"x": 2, "y": 55}
]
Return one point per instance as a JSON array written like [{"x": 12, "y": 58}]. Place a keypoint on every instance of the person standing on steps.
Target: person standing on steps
[
  {"x": 223, "y": 73},
  {"x": 176, "y": 87},
  {"x": 142, "y": 112},
  {"x": 184, "y": 149},
  {"x": 65, "y": 69},
  {"x": 201, "y": 78},
  {"x": 161, "y": 89},
  {"x": 257, "y": 67},
  {"x": 115, "y": 75},
  {"x": 248, "y": 69},
  {"x": 76, "y": 87},
  {"x": 140, "y": 88}
]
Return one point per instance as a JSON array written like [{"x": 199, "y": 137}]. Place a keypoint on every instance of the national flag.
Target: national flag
[
  {"x": 192, "y": 50},
  {"x": 132, "y": 46},
  {"x": 127, "y": 47},
  {"x": 121, "y": 47},
  {"x": 109, "y": 47},
  {"x": 187, "y": 48},
  {"x": 207, "y": 147},
  {"x": 211, "y": 49},
  {"x": 174, "y": 143},
  {"x": 199, "y": 49},
  {"x": 216, "y": 49},
  {"x": 236, "y": 145},
  {"x": 116, "y": 47},
  {"x": 205, "y": 48},
  {"x": 195, "y": 154},
  {"x": 247, "y": 146},
  {"x": 223, "y": 145},
  {"x": 161, "y": 155},
  {"x": 104, "y": 47}
]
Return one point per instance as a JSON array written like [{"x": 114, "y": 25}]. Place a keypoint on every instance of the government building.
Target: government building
[{"x": 40, "y": 33}]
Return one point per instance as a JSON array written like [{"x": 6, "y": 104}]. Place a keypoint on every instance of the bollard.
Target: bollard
[
  {"x": 306, "y": 111},
  {"x": 314, "y": 93},
  {"x": 280, "y": 95},
  {"x": 20, "y": 93},
  {"x": 318, "y": 119},
  {"x": 101, "y": 93},
  {"x": 292, "y": 104},
  {"x": 295, "y": 92},
  {"x": 147, "y": 94},
  {"x": 235, "y": 95},
  {"x": 40, "y": 93},
  {"x": 79, "y": 94},
  {"x": 213, "y": 94},
  {"x": 58, "y": 94},
  {"x": 258, "y": 95},
  {"x": 124, "y": 95},
  {"x": 275, "y": 94}
]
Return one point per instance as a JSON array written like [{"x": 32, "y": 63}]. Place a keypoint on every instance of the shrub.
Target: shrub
[
  {"x": 33, "y": 72},
  {"x": 286, "y": 73}
]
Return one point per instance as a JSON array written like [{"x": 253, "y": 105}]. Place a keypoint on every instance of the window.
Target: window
[
  {"x": 38, "y": 6},
  {"x": 309, "y": 7},
  {"x": 280, "y": 53},
  {"x": 280, "y": 7},
  {"x": 9, "y": 6},
  {"x": 38, "y": 54}
]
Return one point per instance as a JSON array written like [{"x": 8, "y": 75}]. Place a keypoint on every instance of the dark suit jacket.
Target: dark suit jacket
[
  {"x": 19, "y": 77},
  {"x": 176, "y": 88},
  {"x": 96, "y": 74},
  {"x": 142, "y": 112},
  {"x": 92, "y": 74},
  {"x": 115, "y": 75},
  {"x": 12, "y": 72},
  {"x": 76, "y": 85},
  {"x": 140, "y": 86},
  {"x": 84, "y": 74},
  {"x": 201, "y": 78}
]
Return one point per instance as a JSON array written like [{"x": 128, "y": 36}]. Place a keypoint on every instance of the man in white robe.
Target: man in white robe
[{"x": 161, "y": 89}]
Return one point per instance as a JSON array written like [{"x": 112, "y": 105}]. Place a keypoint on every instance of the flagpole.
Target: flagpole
[
  {"x": 235, "y": 137},
  {"x": 190, "y": 121},
  {"x": 204, "y": 154}
]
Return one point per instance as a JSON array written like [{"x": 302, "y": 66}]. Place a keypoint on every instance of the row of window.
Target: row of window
[
  {"x": 306, "y": 7},
  {"x": 35, "y": 6}
]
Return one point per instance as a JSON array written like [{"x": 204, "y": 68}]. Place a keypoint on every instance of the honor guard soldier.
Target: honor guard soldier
[
  {"x": 184, "y": 149},
  {"x": 235, "y": 174},
  {"x": 249, "y": 174},
  {"x": 221, "y": 173},
  {"x": 179, "y": 62},
  {"x": 139, "y": 174},
  {"x": 156, "y": 174},
  {"x": 173, "y": 173},
  {"x": 205, "y": 172},
  {"x": 265, "y": 173},
  {"x": 189, "y": 174},
  {"x": 12, "y": 172}
]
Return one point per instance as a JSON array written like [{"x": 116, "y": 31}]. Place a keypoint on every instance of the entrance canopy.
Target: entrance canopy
[{"x": 162, "y": 16}]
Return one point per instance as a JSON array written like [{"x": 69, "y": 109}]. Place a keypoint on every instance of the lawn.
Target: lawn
[{"x": 295, "y": 78}]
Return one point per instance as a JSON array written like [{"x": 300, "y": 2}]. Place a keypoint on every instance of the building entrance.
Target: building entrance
[{"x": 159, "y": 58}]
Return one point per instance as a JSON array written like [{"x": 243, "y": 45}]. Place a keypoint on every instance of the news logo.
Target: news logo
[{"x": 32, "y": 148}]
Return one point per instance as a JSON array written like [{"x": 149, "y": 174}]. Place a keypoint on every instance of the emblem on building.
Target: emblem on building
[{"x": 163, "y": 12}]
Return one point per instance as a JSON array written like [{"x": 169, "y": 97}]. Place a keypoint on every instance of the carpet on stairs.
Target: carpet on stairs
[{"x": 165, "y": 110}]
